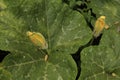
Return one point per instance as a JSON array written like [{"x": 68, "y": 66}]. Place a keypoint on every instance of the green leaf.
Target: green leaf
[
  {"x": 29, "y": 67},
  {"x": 56, "y": 22},
  {"x": 64, "y": 29},
  {"x": 108, "y": 8},
  {"x": 102, "y": 62}
]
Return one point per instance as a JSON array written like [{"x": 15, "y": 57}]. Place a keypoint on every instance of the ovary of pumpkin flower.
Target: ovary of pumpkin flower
[{"x": 99, "y": 26}]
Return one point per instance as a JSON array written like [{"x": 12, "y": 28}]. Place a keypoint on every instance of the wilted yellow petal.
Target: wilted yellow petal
[
  {"x": 46, "y": 57},
  {"x": 106, "y": 26},
  {"x": 114, "y": 75}
]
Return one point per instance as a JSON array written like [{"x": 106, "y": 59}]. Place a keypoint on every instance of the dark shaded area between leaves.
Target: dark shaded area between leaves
[
  {"x": 3, "y": 54},
  {"x": 83, "y": 9},
  {"x": 77, "y": 55},
  {"x": 66, "y": 1}
]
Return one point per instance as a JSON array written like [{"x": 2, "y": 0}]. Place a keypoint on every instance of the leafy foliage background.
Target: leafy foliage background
[{"x": 67, "y": 26}]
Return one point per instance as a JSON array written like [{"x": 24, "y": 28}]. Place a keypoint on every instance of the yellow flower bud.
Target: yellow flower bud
[
  {"x": 37, "y": 39},
  {"x": 99, "y": 26}
]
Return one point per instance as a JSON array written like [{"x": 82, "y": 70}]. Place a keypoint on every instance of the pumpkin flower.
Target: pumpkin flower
[
  {"x": 37, "y": 39},
  {"x": 99, "y": 26}
]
